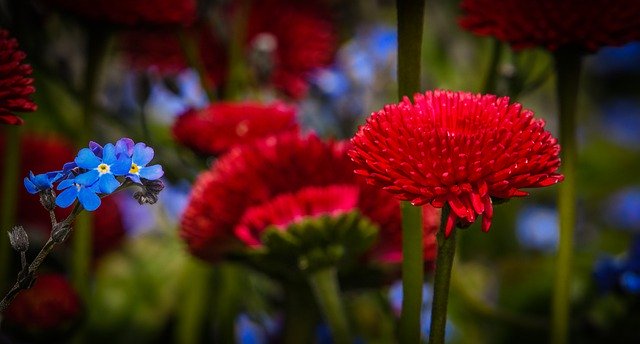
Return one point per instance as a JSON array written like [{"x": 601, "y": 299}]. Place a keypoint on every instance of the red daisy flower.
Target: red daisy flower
[
  {"x": 552, "y": 24},
  {"x": 221, "y": 126},
  {"x": 15, "y": 83},
  {"x": 258, "y": 184},
  {"x": 51, "y": 305},
  {"x": 302, "y": 36},
  {"x": 132, "y": 12},
  {"x": 48, "y": 153},
  {"x": 456, "y": 148}
]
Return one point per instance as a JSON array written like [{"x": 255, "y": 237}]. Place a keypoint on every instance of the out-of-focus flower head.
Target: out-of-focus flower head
[
  {"x": 456, "y": 148},
  {"x": 537, "y": 228},
  {"x": 620, "y": 274},
  {"x": 554, "y": 24},
  {"x": 620, "y": 122},
  {"x": 16, "y": 84},
  {"x": 298, "y": 36},
  {"x": 623, "y": 209},
  {"x": 51, "y": 307},
  {"x": 221, "y": 126},
  {"x": 131, "y": 12},
  {"x": 47, "y": 153},
  {"x": 281, "y": 180}
]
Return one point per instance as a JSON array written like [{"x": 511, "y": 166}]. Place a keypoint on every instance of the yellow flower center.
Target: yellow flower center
[
  {"x": 134, "y": 169},
  {"x": 103, "y": 168}
]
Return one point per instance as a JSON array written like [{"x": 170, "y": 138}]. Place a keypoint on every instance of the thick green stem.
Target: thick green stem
[
  {"x": 300, "y": 315},
  {"x": 230, "y": 282},
  {"x": 412, "y": 273},
  {"x": 195, "y": 305},
  {"x": 567, "y": 64},
  {"x": 490, "y": 79},
  {"x": 444, "y": 263},
  {"x": 324, "y": 284},
  {"x": 410, "y": 18},
  {"x": 10, "y": 182}
]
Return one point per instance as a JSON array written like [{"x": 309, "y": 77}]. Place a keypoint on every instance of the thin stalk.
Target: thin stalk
[
  {"x": 410, "y": 18},
  {"x": 567, "y": 64},
  {"x": 195, "y": 305},
  {"x": 490, "y": 79},
  {"x": 237, "y": 75},
  {"x": 191, "y": 51},
  {"x": 444, "y": 264},
  {"x": 10, "y": 182},
  {"x": 324, "y": 283},
  {"x": 300, "y": 316}
]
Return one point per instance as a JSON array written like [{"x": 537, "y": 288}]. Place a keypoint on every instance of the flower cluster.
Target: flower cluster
[
  {"x": 553, "y": 24},
  {"x": 221, "y": 126},
  {"x": 620, "y": 274},
  {"x": 281, "y": 181},
  {"x": 15, "y": 83},
  {"x": 456, "y": 148},
  {"x": 97, "y": 171}
]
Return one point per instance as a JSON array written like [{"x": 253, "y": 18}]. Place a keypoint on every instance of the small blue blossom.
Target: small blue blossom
[
  {"x": 623, "y": 209},
  {"x": 140, "y": 157},
  {"x": 40, "y": 182},
  {"x": 102, "y": 170},
  {"x": 248, "y": 331},
  {"x": 537, "y": 228},
  {"x": 620, "y": 273},
  {"x": 77, "y": 188}
]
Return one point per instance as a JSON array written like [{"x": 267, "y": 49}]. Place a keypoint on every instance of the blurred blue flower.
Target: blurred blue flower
[
  {"x": 537, "y": 228},
  {"x": 102, "y": 170},
  {"x": 621, "y": 122},
  {"x": 618, "y": 59},
  {"x": 40, "y": 182},
  {"x": 248, "y": 331},
  {"x": 175, "y": 198},
  {"x": 136, "y": 220},
  {"x": 623, "y": 209},
  {"x": 620, "y": 273}
]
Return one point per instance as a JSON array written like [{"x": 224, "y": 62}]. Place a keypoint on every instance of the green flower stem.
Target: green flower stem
[
  {"x": 410, "y": 18},
  {"x": 567, "y": 64},
  {"x": 97, "y": 44},
  {"x": 10, "y": 182},
  {"x": 230, "y": 282},
  {"x": 300, "y": 316},
  {"x": 490, "y": 79},
  {"x": 195, "y": 302},
  {"x": 444, "y": 263},
  {"x": 324, "y": 283},
  {"x": 237, "y": 78},
  {"x": 191, "y": 51}
]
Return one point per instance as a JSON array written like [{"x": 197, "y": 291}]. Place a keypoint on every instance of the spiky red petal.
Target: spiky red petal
[{"x": 16, "y": 84}]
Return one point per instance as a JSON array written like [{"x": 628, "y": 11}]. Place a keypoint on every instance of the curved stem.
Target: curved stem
[
  {"x": 567, "y": 64},
  {"x": 324, "y": 284},
  {"x": 10, "y": 182},
  {"x": 410, "y": 21},
  {"x": 444, "y": 263}
]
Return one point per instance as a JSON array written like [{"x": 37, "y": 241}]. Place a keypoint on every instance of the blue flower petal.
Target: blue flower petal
[
  {"x": 151, "y": 172},
  {"x": 108, "y": 183},
  {"x": 87, "y": 159},
  {"x": 109, "y": 154},
  {"x": 135, "y": 178},
  {"x": 121, "y": 167},
  {"x": 88, "y": 178},
  {"x": 89, "y": 200},
  {"x": 96, "y": 148},
  {"x": 41, "y": 181},
  {"x": 65, "y": 184},
  {"x": 69, "y": 166},
  {"x": 67, "y": 197},
  {"x": 31, "y": 188},
  {"x": 124, "y": 146},
  {"x": 142, "y": 154}
]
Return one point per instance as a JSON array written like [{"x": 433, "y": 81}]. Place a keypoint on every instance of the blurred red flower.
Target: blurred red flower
[
  {"x": 300, "y": 35},
  {"x": 221, "y": 126},
  {"x": 258, "y": 184},
  {"x": 42, "y": 154},
  {"x": 16, "y": 85},
  {"x": 552, "y": 24},
  {"x": 50, "y": 306},
  {"x": 456, "y": 148},
  {"x": 132, "y": 12}
]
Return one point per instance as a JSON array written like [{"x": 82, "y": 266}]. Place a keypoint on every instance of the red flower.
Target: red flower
[
  {"x": 48, "y": 153},
  {"x": 15, "y": 83},
  {"x": 51, "y": 305},
  {"x": 258, "y": 184},
  {"x": 221, "y": 126},
  {"x": 456, "y": 148},
  {"x": 132, "y": 12},
  {"x": 552, "y": 24},
  {"x": 302, "y": 36}
]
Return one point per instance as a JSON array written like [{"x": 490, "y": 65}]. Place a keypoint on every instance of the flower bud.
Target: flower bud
[
  {"x": 19, "y": 239},
  {"x": 48, "y": 199},
  {"x": 150, "y": 191}
]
